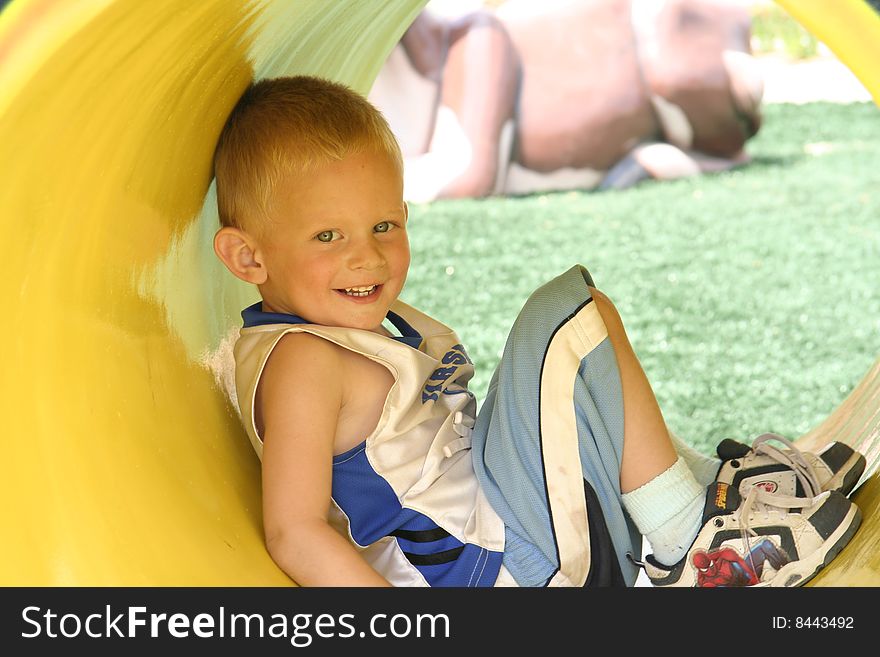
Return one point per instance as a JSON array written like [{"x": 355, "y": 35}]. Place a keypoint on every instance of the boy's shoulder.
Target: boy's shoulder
[
  {"x": 309, "y": 359},
  {"x": 301, "y": 358},
  {"x": 306, "y": 347},
  {"x": 282, "y": 353}
]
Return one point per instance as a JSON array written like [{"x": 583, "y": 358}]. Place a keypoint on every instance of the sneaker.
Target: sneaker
[
  {"x": 789, "y": 471},
  {"x": 757, "y": 541}
]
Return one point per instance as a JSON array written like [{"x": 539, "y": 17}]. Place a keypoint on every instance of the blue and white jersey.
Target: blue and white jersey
[{"x": 407, "y": 496}]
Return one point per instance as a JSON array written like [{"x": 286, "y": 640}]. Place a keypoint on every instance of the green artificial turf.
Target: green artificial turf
[{"x": 751, "y": 297}]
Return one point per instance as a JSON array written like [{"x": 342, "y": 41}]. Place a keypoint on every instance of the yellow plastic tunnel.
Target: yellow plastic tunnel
[{"x": 125, "y": 463}]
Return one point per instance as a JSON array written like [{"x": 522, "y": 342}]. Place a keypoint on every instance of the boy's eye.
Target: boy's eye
[
  {"x": 383, "y": 227},
  {"x": 326, "y": 236}
]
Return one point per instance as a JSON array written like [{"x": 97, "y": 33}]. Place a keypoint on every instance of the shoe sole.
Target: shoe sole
[
  {"x": 848, "y": 476},
  {"x": 802, "y": 571}
]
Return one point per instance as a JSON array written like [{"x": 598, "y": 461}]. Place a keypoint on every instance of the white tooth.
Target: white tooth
[{"x": 360, "y": 291}]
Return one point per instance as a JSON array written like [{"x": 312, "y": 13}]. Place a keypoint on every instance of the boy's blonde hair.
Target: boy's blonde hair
[{"x": 285, "y": 126}]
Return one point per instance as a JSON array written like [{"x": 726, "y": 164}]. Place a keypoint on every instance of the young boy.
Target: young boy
[{"x": 375, "y": 471}]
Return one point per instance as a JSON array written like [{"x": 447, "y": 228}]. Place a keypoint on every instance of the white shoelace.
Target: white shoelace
[
  {"x": 792, "y": 458},
  {"x": 759, "y": 500}
]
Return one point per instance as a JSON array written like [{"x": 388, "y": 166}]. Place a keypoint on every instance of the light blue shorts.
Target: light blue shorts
[{"x": 548, "y": 444}]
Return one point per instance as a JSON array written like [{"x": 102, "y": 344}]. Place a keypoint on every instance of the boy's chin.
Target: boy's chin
[
  {"x": 375, "y": 327},
  {"x": 366, "y": 322}
]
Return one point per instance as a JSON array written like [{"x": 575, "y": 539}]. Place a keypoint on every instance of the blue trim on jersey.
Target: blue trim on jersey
[
  {"x": 374, "y": 511},
  {"x": 475, "y": 566},
  {"x": 254, "y": 316}
]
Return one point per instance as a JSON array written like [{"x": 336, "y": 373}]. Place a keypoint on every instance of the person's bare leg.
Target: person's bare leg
[
  {"x": 480, "y": 88},
  {"x": 658, "y": 490},
  {"x": 647, "y": 448}
]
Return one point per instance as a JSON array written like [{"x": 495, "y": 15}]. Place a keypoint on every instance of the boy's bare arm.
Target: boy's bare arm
[{"x": 301, "y": 394}]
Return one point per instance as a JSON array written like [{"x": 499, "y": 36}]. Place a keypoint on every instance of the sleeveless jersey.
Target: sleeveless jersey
[{"x": 407, "y": 496}]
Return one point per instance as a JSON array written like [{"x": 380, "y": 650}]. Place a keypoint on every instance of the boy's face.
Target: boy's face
[{"x": 336, "y": 252}]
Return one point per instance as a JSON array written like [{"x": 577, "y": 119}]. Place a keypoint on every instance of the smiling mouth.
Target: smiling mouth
[{"x": 362, "y": 291}]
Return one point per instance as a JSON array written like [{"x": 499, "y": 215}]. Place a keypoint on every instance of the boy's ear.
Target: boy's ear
[{"x": 240, "y": 253}]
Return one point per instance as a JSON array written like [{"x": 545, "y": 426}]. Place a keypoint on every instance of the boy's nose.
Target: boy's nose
[{"x": 366, "y": 255}]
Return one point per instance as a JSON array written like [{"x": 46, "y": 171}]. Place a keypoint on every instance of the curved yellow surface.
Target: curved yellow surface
[
  {"x": 125, "y": 461},
  {"x": 857, "y": 422},
  {"x": 851, "y": 28}
]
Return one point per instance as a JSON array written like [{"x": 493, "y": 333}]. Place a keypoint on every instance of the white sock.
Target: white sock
[
  {"x": 705, "y": 468},
  {"x": 668, "y": 511}
]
